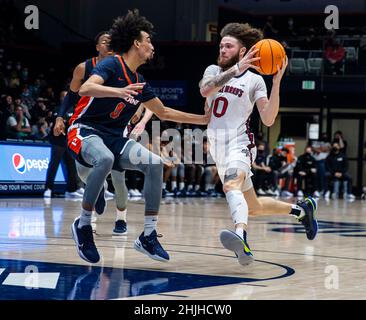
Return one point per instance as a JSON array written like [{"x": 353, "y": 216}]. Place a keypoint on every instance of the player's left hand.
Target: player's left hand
[
  {"x": 138, "y": 130},
  {"x": 280, "y": 72}
]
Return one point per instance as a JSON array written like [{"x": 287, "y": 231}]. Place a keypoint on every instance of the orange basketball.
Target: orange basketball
[{"x": 271, "y": 53}]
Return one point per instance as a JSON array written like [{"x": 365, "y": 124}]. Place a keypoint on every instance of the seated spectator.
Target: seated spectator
[
  {"x": 337, "y": 165},
  {"x": 334, "y": 58},
  {"x": 305, "y": 174},
  {"x": 20, "y": 103},
  {"x": 18, "y": 125},
  {"x": 282, "y": 169},
  {"x": 338, "y": 137},
  {"x": 264, "y": 179}
]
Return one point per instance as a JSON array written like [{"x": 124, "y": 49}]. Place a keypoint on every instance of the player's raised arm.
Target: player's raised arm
[
  {"x": 211, "y": 82},
  {"x": 268, "y": 109},
  {"x": 168, "y": 114}
]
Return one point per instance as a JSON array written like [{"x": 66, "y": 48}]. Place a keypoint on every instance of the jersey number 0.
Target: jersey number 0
[{"x": 219, "y": 106}]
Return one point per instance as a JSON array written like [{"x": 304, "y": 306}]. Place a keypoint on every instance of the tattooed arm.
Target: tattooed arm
[{"x": 213, "y": 81}]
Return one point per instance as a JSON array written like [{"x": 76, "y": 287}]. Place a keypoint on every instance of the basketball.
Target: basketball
[{"x": 271, "y": 53}]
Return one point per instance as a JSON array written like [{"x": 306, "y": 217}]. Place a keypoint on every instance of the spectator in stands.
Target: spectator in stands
[
  {"x": 40, "y": 109},
  {"x": 59, "y": 154},
  {"x": 338, "y": 137},
  {"x": 282, "y": 169},
  {"x": 264, "y": 179},
  {"x": 269, "y": 30},
  {"x": 334, "y": 58},
  {"x": 337, "y": 165},
  {"x": 321, "y": 149},
  {"x": 26, "y": 96},
  {"x": 305, "y": 174},
  {"x": 18, "y": 125},
  {"x": 259, "y": 139},
  {"x": 291, "y": 28},
  {"x": 19, "y": 102}
]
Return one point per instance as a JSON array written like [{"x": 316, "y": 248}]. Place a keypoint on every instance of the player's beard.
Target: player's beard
[{"x": 229, "y": 63}]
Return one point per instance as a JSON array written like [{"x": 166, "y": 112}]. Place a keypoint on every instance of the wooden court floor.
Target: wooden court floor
[{"x": 35, "y": 235}]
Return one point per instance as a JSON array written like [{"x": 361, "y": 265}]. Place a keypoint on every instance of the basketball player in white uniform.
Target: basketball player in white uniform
[{"x": 231, "y": 90}]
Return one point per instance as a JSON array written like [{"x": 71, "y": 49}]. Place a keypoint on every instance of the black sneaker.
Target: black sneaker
[
  {"x": 308, "y": 220},
  {"x": 151, "y": 246},
  {"x": 120, "y": 228},
  {"x": 85, "y": 242},
  {"x": 101, "y": 203}
]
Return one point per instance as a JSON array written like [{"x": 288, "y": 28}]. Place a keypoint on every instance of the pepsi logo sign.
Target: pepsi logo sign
[{"x": 22, "y": 165}]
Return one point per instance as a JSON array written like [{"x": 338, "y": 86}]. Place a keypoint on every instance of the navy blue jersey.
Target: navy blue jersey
[
  {"x": 90, "y": 64},
  {"x": 111, "y": 115}
]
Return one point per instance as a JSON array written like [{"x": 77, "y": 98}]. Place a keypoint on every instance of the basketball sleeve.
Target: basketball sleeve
[
  {"x": 147, "y": 92},
  {"x": 258, "y": 90},
  {"x": 106, "y": 69}
]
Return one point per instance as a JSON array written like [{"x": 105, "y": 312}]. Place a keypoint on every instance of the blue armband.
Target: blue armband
[{"x": 69, "y": 102}]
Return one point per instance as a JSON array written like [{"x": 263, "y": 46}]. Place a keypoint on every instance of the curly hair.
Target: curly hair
[
  {"x": 126, "y": 29},
  {"x": 243, "y": 32}
]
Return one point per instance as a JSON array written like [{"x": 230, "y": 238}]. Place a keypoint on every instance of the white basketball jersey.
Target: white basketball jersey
[{"x": 233, "y": 104}]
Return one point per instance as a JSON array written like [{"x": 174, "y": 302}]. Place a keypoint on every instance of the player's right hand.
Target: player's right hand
[
  {"x": 131, "y": 90},
  {"x": 248, "y": 59},
  {"x": 59, "y": 127}
]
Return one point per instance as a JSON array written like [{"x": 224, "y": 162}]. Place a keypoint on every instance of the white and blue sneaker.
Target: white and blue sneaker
[
  {"x": 233, "y": 242},
  {"x": 308, "y": 220},
  {"x": 151, "y": 246},
  {"x": 120, "y": 228},
  {"x": 85, "y": 242}
]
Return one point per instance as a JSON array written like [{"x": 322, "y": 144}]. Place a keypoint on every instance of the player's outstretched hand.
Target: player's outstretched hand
[
  {"x": 59, "y": 127},
  {"x": 131, "y": 90},
  {"x": 248, "y": 59},
  {"x": 280, "y": 72},
  {"x": 138, "y": 130}
]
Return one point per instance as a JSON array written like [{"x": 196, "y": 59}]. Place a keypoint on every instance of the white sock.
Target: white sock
[
  {"x": 181, "y": 185},
  {"x": 197, "y": 187},
  {"x": 150, "y": 224},
  {"x": 190, "y": 187},
  {"x": 239, "y": 231},
  {"x": 174, "y": 185},
  {"x": 121, "y": 215},
  {"x": 207, "y": 187},
  {"x": 238, "y": 206},
  {"x": 85, "y": 218},
  {"x": 297, "y": 211},
  {"x": 164, "y": 185}
]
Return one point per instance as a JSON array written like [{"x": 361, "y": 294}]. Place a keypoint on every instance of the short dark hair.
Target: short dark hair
[
  {"x": 126, "y": 29},
  {"x": 97, "y": 37},
  {"x": 243, "y": 32}
]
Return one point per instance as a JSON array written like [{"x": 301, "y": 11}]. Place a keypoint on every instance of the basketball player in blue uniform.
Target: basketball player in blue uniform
[
  {"x": 80, "y": 75},
  {"x": 110, "y": 97}
]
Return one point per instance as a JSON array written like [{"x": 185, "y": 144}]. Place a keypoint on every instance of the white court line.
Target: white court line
[{"x": 45, "y": 280}]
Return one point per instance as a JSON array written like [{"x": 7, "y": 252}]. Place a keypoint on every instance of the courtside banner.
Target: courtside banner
[
  {"x": 171, "y": 93},
  {"x": 26, "y": 163}
]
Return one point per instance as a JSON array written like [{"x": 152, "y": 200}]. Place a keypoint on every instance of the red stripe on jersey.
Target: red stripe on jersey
[
  {"x": 73, "y": 141},
  {"x": 125, "y": 72},
  {"x": 94, "y": 62},
  {"x": 82, "y": 104}
]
